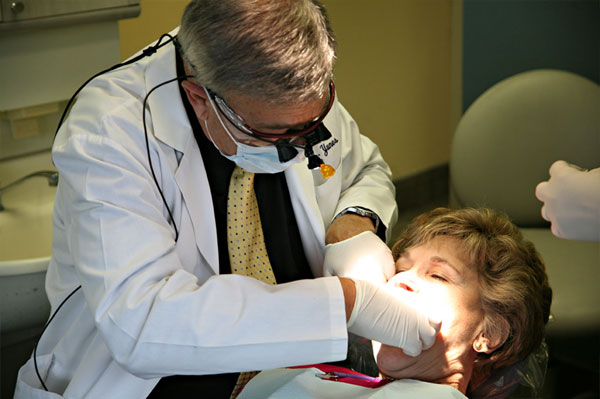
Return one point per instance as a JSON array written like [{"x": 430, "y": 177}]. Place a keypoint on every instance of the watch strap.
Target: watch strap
[{"x": 360, "y": 211}]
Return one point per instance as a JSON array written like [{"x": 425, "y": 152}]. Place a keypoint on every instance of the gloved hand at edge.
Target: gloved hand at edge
[{"x": 571, "y": 200}]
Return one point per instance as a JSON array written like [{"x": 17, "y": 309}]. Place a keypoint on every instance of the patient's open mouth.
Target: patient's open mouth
[{"x": 405, "y": 287}]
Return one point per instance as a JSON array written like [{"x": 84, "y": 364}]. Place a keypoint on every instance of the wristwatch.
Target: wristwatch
[{"x": 360, "y": 211}]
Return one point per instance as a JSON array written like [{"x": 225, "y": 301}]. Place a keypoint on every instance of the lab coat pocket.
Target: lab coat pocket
[
  {"x": 330, "y": 153},
  {"x": 328, "y": 194},
  {"x": 318, "y": 178},
  {"x": 28, "y": 384}
]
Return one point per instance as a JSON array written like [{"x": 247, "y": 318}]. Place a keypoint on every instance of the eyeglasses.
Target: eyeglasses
[{"x": 239, "y": 122}]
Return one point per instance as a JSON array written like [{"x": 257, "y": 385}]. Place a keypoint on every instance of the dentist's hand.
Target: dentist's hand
[
  {"x": 384, "y": 316},
  {"x": 362, "y": 257},
  {"x": 571, "y": 200}
]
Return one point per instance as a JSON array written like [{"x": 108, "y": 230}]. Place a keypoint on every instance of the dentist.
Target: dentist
[{"x": 146, "y": 159}]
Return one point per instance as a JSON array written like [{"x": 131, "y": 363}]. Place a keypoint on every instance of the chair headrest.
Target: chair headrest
[{"x": 508, "y": 138}]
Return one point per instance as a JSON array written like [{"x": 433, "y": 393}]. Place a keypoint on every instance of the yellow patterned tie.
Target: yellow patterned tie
[{"x": 245, "y": 240}]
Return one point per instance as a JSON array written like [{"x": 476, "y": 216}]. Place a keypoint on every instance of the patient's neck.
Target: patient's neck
[
  {"x": 458, "y": 374},
  {"x": 459, "y": 380},
  {"x": 454, "y": 368}
]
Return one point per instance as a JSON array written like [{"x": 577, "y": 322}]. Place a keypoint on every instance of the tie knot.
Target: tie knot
[{"x": 241, "y": 176}]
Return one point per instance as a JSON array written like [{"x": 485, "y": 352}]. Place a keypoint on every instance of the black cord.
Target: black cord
[
  {"x": 46, "y": 326},
  {"x": 146, "y": 52}
]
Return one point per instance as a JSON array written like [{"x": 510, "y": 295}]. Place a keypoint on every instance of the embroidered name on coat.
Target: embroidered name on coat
[{"x": 327, "y": 147}]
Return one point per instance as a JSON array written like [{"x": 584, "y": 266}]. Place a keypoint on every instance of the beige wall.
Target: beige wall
[
  {"x": 394, "y": 75},
  {"x": 157, "y": 17},
  {"x": 398, "y": 70}
]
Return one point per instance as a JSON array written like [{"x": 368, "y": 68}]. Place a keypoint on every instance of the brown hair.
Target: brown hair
[{"x": 514, "y": 287}]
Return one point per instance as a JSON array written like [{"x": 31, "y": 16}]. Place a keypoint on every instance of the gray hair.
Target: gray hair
[{"x": 275, "y": 50}]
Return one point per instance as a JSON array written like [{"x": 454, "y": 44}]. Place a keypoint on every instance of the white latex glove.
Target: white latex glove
[
  {"x": 571, "y": 201},
  {"x": 389, "y": 317},
  {"x": 362, "y": 257}
]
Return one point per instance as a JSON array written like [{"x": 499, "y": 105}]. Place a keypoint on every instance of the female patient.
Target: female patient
[
  {"x": 487, "y": 284},
  {"x": 471, "y": 269}
]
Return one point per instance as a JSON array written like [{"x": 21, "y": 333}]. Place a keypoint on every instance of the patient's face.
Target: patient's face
[{"x": 440, "y": 280}]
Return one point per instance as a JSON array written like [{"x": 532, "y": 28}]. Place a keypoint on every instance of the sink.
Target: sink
[{"x": 25, "y": 243}]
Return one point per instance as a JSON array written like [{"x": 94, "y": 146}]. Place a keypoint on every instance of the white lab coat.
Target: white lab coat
[{"x": 150, "y": 306}]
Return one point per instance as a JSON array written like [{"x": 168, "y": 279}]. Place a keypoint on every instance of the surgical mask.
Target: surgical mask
[{"x": 260, "y": 159}]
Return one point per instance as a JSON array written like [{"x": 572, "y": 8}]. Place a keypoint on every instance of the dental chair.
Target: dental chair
[{"x": 502, "y": 148}]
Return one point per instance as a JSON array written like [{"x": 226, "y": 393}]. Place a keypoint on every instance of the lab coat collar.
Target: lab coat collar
[
  {"x": 171, "y": 124},
  {"x": 194, "y": 186}
]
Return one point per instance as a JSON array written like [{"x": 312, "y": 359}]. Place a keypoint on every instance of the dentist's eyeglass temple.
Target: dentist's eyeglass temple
[{"x": 50, "y": 175}]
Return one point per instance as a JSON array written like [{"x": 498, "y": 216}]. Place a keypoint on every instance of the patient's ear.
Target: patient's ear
[{"x": 489, "y": 341}]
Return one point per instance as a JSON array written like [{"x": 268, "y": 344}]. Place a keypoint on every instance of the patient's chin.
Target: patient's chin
[
  {"x": 393, "y": 362},
  {"x": 431, "y": 365}
]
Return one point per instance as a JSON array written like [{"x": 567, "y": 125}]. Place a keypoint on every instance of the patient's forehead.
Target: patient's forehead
[{"x": 455, "y": 245}]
